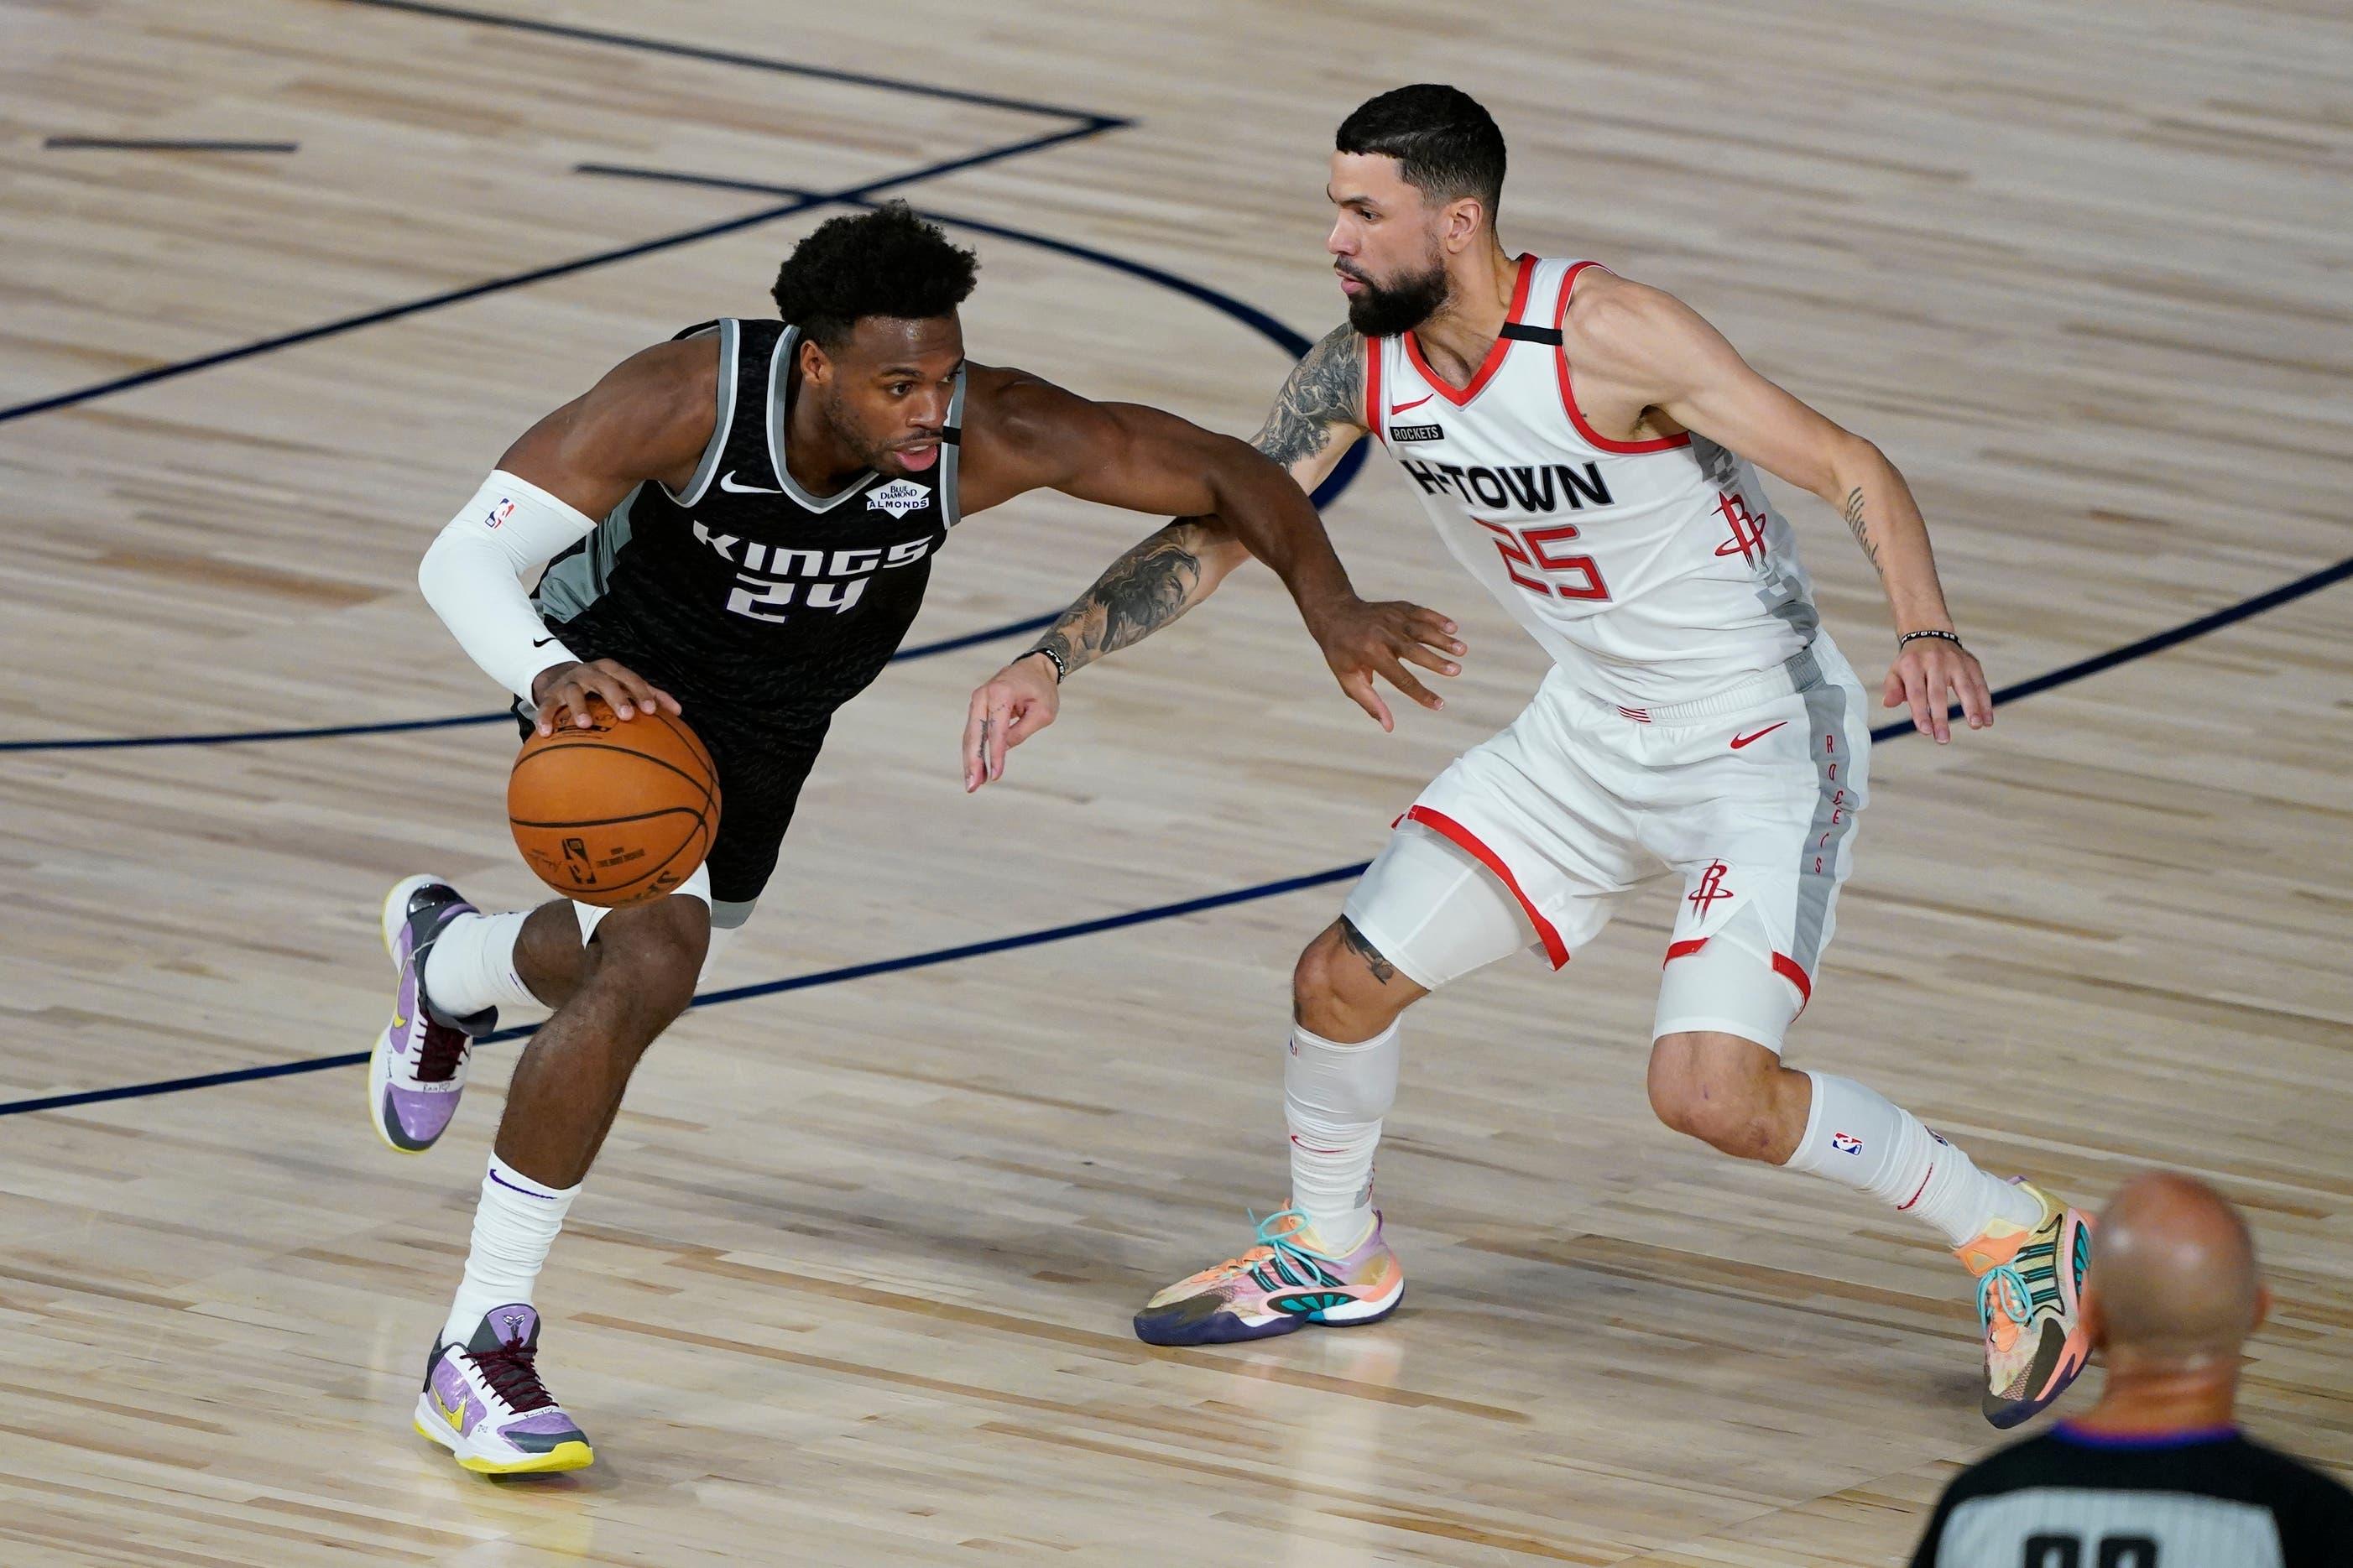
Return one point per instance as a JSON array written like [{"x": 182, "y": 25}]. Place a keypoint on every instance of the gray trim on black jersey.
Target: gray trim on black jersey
[
  {"x": 578, "y": 580},
  {"x": 779, "y": 366},
  {"x": 707, "y": 468},
  {"x": 950, "y": 450}
]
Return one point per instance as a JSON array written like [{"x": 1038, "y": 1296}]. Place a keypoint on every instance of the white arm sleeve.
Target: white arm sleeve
[{"x": 472, "y": 576}]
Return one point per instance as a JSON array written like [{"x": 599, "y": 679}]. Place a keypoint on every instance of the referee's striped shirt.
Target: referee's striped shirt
[{"x": 2204, "y": 1498}]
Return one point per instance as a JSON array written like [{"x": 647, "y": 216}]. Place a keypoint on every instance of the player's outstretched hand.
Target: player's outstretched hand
[
  {"x": 562, "y": 691},
  {"x": 1011, "y": 706},
  {"x": 1926, "y": 670},
  {"x": 1361, "y": 640}
]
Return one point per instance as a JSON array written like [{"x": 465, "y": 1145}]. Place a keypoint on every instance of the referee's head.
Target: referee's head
[
  {"x": 2173, "y": 1289},
  {"x": 2157, "y": 1472}
]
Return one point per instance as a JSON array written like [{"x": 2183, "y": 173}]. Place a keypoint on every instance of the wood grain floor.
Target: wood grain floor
[{"x": 851, "y": 1283}]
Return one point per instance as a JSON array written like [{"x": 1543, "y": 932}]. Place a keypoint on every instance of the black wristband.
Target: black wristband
[
  {"x": 1061, "y": 671},
  {"x": 1953, "y": 638}
]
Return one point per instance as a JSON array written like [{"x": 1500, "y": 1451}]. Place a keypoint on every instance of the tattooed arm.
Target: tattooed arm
[
  {"x": 1315, "y": 417},
  {"x": 1640, "y": 351}
]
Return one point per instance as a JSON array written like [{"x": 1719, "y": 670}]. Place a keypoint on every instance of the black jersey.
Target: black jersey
[
  {"x": 2071, "y": 1499},
  {"x": 761, "y": 608},
  {"x": 755, "y": 604}
]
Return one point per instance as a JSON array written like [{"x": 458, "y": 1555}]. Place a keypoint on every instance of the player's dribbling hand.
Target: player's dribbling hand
[
  {"x": 1925, "y": 670},
  {"x": 562, "y": 691},
  {"x": 1361, "y": 640},
  {"x": 1013, "y": 705}
]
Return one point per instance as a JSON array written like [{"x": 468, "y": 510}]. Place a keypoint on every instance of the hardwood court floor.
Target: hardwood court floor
[{"x": 851, "y": 1285}]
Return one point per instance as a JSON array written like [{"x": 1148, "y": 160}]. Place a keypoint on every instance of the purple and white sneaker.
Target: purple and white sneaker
[
  {"x": 485, "y": 1404},
  {"x": 419, "y": 1067}
]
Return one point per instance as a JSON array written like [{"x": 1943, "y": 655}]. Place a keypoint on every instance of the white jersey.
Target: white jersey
[{"x": 1653, "y": 572}]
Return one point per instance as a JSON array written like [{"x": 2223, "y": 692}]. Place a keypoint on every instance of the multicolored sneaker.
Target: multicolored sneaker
[
  {"x": 419, "y": 1067},
  {"x": 1285, "y": 1282},
  {"x": 485, "y": 1404},
  {"x": 2029, "y": 1303}
]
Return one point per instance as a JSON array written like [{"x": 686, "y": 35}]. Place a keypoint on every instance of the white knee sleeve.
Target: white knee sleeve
[
  {"x": 1329, "y": 1082},
  {"x": 1333, "y": 1097},
  {"x": 1729, "y": 987},
  {"x": 1434, "y": 911}
]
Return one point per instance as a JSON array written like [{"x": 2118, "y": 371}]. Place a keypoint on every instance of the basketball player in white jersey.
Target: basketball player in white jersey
[{"x": 1584, "y": 445}]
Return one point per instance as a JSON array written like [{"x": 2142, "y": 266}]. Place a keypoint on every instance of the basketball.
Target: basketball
[{"x": 616, "y": 813}]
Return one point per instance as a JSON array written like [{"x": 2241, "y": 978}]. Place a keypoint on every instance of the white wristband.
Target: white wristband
[{"x": 472, "y": 576}]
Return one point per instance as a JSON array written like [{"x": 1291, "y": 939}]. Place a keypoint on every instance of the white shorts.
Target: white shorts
[{"x": 1529, "y": 841}]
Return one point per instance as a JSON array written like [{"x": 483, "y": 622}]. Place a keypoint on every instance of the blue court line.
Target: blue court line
[
  {"x": 737, "y": 994},
  {"x": 1088, "y": 124},
  {"x": 1342, "y": 474},
  {"x": 730, "y": 57},
  {"x": 1289, "y": 340},
  {"x": 158, "y": 144},
  {"x": 2310, "y": 584},
  {"x": 457, "y": 721},
  {"x": 541, "y": 274}
]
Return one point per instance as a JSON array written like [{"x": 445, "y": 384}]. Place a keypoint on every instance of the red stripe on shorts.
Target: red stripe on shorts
[
  {"x": 1787, "y": 968},
  {"x": 1438, "y": 822}
]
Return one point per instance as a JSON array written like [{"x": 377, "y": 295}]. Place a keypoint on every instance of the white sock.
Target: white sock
[
  {"x": 514, "y": 1224},
  {"x": 1333, "y": 1097},
  {"x": 472, "y": 965},
  {"x": 1860, "y": 1138}
]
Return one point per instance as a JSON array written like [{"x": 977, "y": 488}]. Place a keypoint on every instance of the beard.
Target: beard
[
  {"x": 841, "y": 420},
  {"x": 1386, "y": 309}
]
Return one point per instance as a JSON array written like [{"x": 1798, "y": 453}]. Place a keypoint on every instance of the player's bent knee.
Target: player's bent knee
[
  {"x": 1717, "y": 1088},
  {"x": 1343, "y": 989},
  {"x": 645, "y": 960}
]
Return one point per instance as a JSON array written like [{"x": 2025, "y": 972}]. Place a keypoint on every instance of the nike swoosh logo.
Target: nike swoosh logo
[
  {"x": 541, "y": 642},
  {"x": 398, "y": 1022},
  {"x": 1740, "y": 741},
  {"x": 456, "y": 1419},
  {"x": 727, "y": 482},
  {"x": 1401, "y": 407}
]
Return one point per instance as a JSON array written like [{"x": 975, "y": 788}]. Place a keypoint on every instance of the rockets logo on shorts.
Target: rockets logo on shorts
[
  {"x": 1710, "y": 889},
  {"x": 1846, "y": 1142}
]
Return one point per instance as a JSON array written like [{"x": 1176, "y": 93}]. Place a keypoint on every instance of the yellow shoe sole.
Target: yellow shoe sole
[{"x": 562, "y": 1457}]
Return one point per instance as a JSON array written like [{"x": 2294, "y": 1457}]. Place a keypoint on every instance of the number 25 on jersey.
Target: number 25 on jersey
[{"x": 1531, "y": 556}]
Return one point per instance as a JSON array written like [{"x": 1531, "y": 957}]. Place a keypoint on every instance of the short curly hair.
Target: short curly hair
[{"x": 886, "y": 262}]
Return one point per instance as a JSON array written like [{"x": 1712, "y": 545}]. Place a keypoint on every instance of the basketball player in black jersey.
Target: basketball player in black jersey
[{"x": 741, "y": 523}]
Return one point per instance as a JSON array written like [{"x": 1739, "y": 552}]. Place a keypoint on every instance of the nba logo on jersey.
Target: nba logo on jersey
[
  {"x": 499, "y": 513},
  {"x": 1846, "y": 1142}
]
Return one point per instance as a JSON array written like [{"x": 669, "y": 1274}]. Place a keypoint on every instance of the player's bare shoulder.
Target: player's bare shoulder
[
  {"x": 1325, "y": 389},
  {"x": 1632, "y": 347},
  {"x": 1610, "y": 320},
  {"x": 661, "y": 402},
  {"x": 1014, "y": 424},
  {"x": 650, "y": 417}
]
